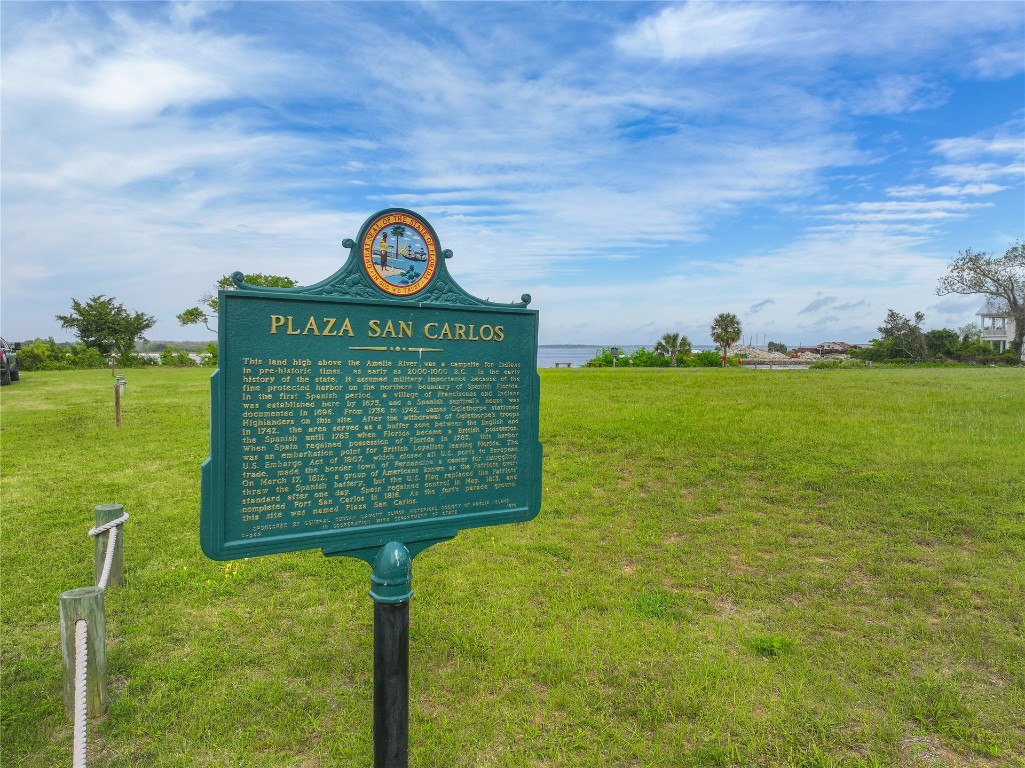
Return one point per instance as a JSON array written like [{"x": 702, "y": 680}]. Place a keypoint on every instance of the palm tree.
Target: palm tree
[
  {"x": 398, "y": 232},
  {"x": 673, "y": 345},
  {"x": 725, "y": 332}
]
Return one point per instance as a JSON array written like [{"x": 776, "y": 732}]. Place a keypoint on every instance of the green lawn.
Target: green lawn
[{"x": 731, "y": 567}]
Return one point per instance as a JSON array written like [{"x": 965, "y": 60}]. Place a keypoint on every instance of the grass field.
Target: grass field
[{"x": 731, "y": 567}]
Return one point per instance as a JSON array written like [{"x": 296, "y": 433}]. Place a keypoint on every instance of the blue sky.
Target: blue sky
[{"x": 636, "y": 167}]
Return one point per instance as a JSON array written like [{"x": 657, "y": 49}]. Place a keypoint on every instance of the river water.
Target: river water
[{"x": 576, "y": 355}]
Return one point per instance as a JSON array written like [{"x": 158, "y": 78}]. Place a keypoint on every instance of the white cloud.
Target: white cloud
[
  {"x": 898, "y": 94},
  {"x": 946, "y": 190},
  {"x": 999, "y": 60},
  {"x": 974, "y": 147},
  {"x": 818, "y": 304},
  {"x": 960, "y": 35},
  {"x": 985, "y": 159},
  {"x": 699, "y": 30},
  {"x": 129, "y": 70}
]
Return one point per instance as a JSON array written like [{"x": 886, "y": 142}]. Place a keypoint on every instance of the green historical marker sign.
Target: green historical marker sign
[{"x": 383, "y": 404}]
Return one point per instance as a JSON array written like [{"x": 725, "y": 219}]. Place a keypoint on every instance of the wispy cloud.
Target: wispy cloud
[
  {"x": 696, "y": 31},
  {"x": 946, "y": 190},
  {"x": 848, "y": 306},
  {"x": 897, "y": 95},
  {"x": 818, "y": 304}
]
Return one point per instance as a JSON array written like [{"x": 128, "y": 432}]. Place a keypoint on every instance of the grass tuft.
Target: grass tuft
[
  {"x": 772, "y": 645},
  {"x": 660, "y": 604}
]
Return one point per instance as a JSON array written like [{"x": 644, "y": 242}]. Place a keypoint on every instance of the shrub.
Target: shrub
[
  {"x": 41, "y": 355},
  {"x": 839, "y": 363},
  {"x": 602, "y": 357},
  {"x": 707, "y": 359},
  {"x": 641, "y": 358},
  {"x": 48, "y": 355},
  {"x": 645, "y": 358},
  {"x": 172, "y": 356},
  {"x": 134, "y": 361}
]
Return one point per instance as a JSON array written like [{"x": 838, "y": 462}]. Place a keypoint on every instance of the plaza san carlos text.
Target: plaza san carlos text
[{"x": 385, "y": 329}]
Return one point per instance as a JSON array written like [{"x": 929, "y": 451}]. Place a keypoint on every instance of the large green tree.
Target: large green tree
[
  {"x": 942, "y": 342},
  {"x": 901, "y": 337},
  {"x": 207, "y": 309},
  {"x": 103, "y": 324},
  {"x": 1002, "y": 278},
  {"x": 725, "y": 331},
  {"x": 673, "y": 345}
]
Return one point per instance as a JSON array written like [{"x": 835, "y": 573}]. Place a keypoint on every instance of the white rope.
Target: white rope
[
  {"x": 107, "y": 526},
  {"x": 78, "y": 749},
  {"x": 81, "y": 657},
  {"x": 108, "y": 559}
]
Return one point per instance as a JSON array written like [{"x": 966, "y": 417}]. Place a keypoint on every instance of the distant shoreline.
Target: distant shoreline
[{"x": 696, "y": 347}]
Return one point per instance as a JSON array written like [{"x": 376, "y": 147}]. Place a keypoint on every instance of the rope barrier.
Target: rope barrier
[
  {"x": 81, "y": 657},
  {"x": 113, "y": 527},
  {"x": 81, "y": 680},
  {"x": 107, "y": 526},
  {"x": 108, "y": 560}
]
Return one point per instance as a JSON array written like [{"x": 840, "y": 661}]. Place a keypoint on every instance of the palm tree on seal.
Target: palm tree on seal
[
  {"x": 398, "y": 232},
  {"x": 673, "y": 345},
  {"x": 725, "y": 332}
]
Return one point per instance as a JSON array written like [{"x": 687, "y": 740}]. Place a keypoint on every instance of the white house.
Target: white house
[{"x": 997, "y": 324}]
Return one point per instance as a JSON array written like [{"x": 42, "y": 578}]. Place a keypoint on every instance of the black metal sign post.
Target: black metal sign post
[{"x": 390, "y": 587}]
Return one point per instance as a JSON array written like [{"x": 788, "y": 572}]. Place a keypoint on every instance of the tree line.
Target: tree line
[
  {"x": 109, "y": 333},
  {"x": 674, "y": 349},
  {"x": 901, "y": 339}
]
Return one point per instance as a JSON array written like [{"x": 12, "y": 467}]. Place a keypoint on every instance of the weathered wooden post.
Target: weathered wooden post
[
  {"x": 85, "y": 603},
  {"x": 371, "y": 415},
  {"x": 104, "y": 514},
  {"x": 117, "y": 404}
]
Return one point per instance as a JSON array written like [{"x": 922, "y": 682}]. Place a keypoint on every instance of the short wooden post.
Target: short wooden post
[
  {"x": 117, "y": 404},
  {"x": 104, "y": 514},
  {"x": 85, "y": 603}
]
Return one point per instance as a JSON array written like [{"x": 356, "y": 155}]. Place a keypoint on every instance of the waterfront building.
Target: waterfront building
[{"x": 997, "y": 324}]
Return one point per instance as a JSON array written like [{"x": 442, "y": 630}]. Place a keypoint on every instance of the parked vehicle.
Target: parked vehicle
[{"x": 9, "y": 362}]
